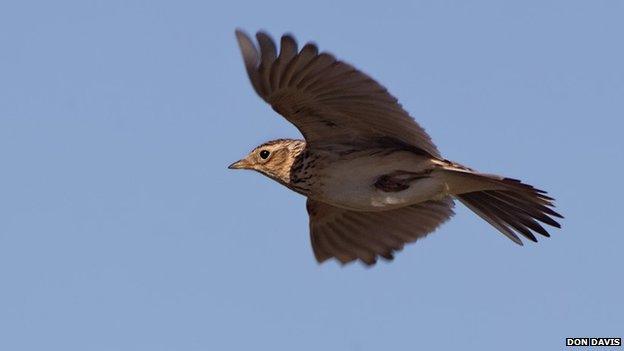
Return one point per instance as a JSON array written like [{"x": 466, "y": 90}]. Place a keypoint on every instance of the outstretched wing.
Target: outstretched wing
[
  {"x": 328, "y": 100},
  {"x": 350, "y": 235}
]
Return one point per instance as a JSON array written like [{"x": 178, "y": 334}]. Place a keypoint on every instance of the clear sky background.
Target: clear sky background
[{"x": 122, "y": 229}]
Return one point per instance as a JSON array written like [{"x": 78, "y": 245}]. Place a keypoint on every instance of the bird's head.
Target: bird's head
[{"x": 273, "y": 158}]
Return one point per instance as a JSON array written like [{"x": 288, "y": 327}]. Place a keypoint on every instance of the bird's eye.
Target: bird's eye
[{"x": 264, "y": 154}]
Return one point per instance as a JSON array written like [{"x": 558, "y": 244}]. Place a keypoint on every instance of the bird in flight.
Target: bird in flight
[{"x": 373, "y": 179}]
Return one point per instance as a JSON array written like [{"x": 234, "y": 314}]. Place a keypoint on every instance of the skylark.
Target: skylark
[{"x": 373, "y": 178}]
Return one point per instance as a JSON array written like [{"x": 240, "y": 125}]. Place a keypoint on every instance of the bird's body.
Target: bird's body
[
  {"x": 373, "y": 178},
  {"x": 351, "y": 178}
]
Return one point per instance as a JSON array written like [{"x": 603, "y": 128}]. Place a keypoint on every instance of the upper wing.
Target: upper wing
[
  {"x": 350, "y": 235},
  {"x": 329, "y": 101}
]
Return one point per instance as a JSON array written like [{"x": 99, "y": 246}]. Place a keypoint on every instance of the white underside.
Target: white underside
[{"x": 350, "y": 183}]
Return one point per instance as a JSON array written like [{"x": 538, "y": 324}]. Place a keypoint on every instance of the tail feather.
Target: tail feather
[
  {"x": 489, "y": 217},
  {"x": 511, "y": 206}
]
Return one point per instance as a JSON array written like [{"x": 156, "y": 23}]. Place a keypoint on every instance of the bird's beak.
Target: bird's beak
[{"x": 240, "y": 164}]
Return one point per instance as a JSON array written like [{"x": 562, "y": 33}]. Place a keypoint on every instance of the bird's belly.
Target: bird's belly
[{"x": 351, "y": 183}]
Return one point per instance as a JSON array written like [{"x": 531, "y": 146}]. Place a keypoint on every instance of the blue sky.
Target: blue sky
[{"x": 122, "y": 229}]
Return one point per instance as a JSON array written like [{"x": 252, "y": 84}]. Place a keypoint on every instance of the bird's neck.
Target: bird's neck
[{"x": 297, "y": 177}]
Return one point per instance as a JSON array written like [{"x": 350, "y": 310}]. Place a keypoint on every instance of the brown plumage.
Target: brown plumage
[{"x": 373, "y": 178}]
